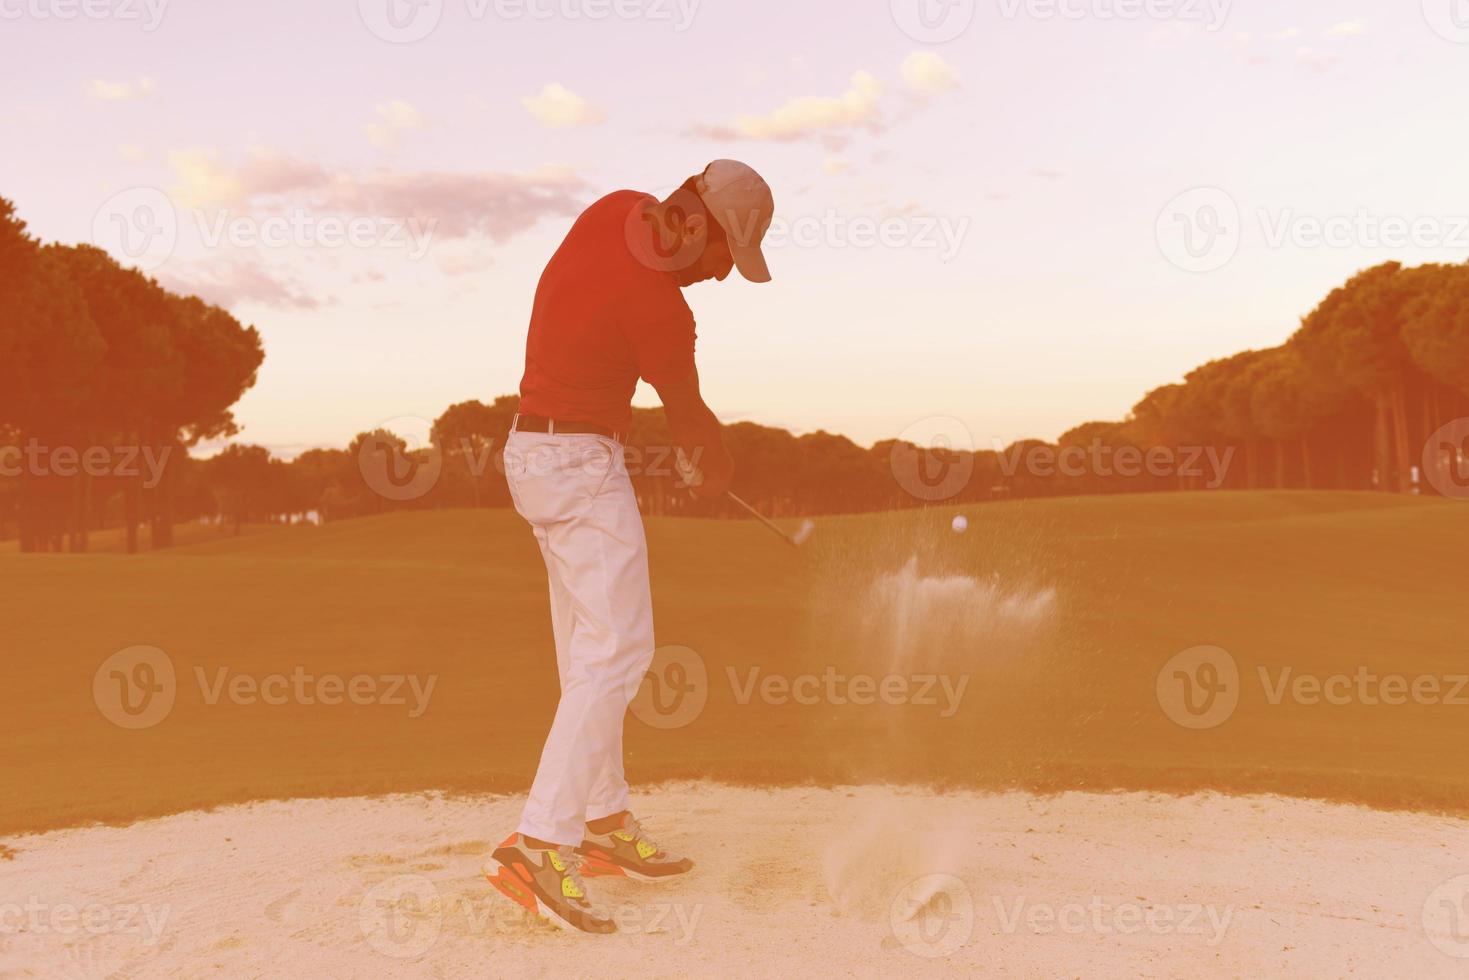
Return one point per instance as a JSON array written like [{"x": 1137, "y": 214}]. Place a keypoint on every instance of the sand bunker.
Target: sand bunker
[{"x": 849, "y": 881}]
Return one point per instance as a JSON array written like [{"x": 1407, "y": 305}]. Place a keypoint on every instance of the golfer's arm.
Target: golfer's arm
[{"x": 694, "y": 427}]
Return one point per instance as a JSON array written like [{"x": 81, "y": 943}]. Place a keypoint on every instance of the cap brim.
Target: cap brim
[{"x": 751, "y": 262}]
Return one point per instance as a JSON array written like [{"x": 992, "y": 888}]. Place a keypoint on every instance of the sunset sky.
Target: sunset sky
[{"x": 1028, "y": 277}]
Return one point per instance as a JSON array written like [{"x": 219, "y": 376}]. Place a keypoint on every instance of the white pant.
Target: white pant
[{"x": 575, "y": 493}]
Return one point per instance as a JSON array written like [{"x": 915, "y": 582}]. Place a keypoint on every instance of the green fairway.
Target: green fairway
[{"x": 1320, "y": 583}]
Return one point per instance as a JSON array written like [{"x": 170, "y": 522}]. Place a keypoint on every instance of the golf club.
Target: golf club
[{"x": 802, "y": 535}]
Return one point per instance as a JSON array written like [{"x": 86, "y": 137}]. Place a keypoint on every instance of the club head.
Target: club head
[{"x": 804, "y": 532}]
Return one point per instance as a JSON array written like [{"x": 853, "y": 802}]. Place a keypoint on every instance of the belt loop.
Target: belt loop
[
  {"x": 550, "y": 427},
  {"x": 515, "y": 423}
]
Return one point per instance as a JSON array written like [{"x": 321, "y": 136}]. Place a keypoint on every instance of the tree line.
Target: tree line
[
  {"x": 97, "y": 358},
  {"x": 106, "y": 381},
  {"x": 1351, "y": 401}
]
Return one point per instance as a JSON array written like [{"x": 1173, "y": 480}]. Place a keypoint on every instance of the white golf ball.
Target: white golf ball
[{"x": 961, "y": 524}]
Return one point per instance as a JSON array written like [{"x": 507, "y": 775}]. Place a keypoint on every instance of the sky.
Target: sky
[{"x": 1001, "y": 218}]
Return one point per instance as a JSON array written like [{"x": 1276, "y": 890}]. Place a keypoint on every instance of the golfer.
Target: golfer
[{"x": 608, "y": 311}]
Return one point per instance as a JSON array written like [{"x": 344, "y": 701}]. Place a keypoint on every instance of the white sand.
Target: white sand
[{"x": 790, "y": 883}]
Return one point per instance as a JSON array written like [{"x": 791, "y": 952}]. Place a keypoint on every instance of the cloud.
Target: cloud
[
  {"x": 928, "y": 73},
  {"x": 122, "y": 91},
  {"x": 493, "y": 205},
  {"x": 810, "y": 116},
  {"x": 1348, "y": 28},
  {"x": 393, "y": 120},
  {"x": 557, "y": 107},
  {"x": 834, "y": 167},
  {"x": 200, "y": 182},
  {"x": 230, "y": 282},
  {"x": 1315, "y": 60},
  {"x": 1045, "y": 173},
  {"x": 1288, "y": 34}
]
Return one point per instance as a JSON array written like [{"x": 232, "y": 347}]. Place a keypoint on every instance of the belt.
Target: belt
[{"x": 558, "y": 427}]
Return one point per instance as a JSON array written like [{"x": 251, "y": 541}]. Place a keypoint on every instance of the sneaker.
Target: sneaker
[
  {"x": 548, "y": 883},
  {"x": 631, "y": 852}
]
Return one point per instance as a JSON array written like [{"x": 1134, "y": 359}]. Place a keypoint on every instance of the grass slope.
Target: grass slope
[{"x": 1321, "y": 583}]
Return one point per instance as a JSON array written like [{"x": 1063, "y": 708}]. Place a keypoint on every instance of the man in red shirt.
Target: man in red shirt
[{"x": 608, "y": 311}]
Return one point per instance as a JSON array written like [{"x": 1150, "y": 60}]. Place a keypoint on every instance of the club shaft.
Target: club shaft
[{"x": 762, "y": 519}]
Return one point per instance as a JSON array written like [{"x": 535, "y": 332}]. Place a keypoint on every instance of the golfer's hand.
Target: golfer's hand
[{"x": 708, "y": 482}]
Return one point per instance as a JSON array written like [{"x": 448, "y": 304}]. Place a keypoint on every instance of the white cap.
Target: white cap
[{"x": 740, "y": 200}]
